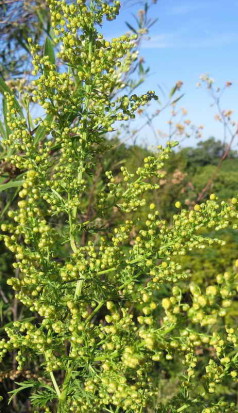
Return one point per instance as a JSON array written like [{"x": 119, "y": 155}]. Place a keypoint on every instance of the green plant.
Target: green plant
[
  {"x": 18, "y": 20},
  {"x": 111, "y": 315}
]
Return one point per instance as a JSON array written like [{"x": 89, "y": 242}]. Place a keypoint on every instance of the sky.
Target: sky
[{"x": 190, "y": 38}]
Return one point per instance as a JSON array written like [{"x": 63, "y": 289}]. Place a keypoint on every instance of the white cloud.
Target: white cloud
[
  {"x": 216, "y": 40},
  {"x": 160, "y": 41},
  {"x": 186, "y": 40}
]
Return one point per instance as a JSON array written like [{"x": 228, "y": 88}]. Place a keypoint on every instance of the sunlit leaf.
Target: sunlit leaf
[
  {"x": 49, "y": 50},
  {"x": 11, "y": 184},
  {"x": 4, "y": 88}
]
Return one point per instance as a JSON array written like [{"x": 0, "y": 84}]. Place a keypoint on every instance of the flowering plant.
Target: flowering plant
[{"x": 111, "y": 314}]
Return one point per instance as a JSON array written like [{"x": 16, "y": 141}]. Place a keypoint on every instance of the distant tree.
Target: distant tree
[{"x": 207, "y": 152}]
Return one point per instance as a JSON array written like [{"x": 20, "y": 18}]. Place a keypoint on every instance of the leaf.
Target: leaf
[
  {"x": 42, "y": 398},
  {"x": 4, "y": 110},
  {"x": 8, "y": 204},
  {"x": 22, "y": 386},
  {"x": 1, "y": 310},
  {"x": 141, "y": 69},
  {"x": 3, "y": 133},
  {"x": 6, "y": 89},
  {"x": 41, "y": 130},
  {"x": 3, "y": 87},
  {"x": 138, "y": 22},
  {"x": 44, "y": 18},
  {"x": 40, "y": 16},
  {"x": 45, "y": 396},
  {"x": 176, "y": 100},
  {"x": 23, "y": 44},
  {"x": 185, "y": 406},
  {"x": 49, "y": 50},
  {"x": 131, "y": 28},
  {"x": 152, "y": 23},
  {"x": 173, "y": 90},
  {"x": 135, "y": 85},
  {"x": 11, "y": 184},
  {"x": 58, "y": 195}
]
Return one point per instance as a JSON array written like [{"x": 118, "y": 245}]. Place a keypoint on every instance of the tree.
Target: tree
[{"x": 207, "y": 152}]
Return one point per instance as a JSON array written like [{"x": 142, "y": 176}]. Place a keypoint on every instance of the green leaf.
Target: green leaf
[
  {"x": 138, "y": 22},
  {"x": 173, "y": 90},
  {"x": 185, "y": 406},
  {"x": 23, "y": 44},
  {"x": 47, "y": 395},
  {"x": 3, "y": 133},
  {"x": 41, "y": 130},
  {"x": 49, "y": 50},
  {"x": 4, "y": 110},
  {"x": 22, "y": 386},
  {"x": 1, "y": 310},
  {"x": 131, "y": 28},
  {"x": 11, "y": 184},
  {"x": 8, "y": 204},
  {"x": 58, "y": 195},
  {"x": 176, "y": 100},
  {"x": 141, "y": 69},
  {"x": 152, "y": 23},
  {"x": 5, "y": 89},
  {"x": 42, "y": 398},
  {"x": 40, "y": 16}
]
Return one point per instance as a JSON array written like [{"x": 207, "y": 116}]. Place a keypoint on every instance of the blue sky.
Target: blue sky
[{"x": 189, "y": 39}]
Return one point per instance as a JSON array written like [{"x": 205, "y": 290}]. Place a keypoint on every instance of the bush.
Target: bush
[{"x": 110, "y": 315}]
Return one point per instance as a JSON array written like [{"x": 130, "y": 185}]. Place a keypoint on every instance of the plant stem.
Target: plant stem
[
  {"x": 55, "y": 384},
  {"x": 78, "y": 288},
  {"x": 95, "y": 311},
  {"x": 88, "y": 88}
]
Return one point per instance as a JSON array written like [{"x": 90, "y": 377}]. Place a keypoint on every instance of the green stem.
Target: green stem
[
  {"x": 64, "y": 390},
  {"x": 95, "y": 311},
  {"x": 135, "y": 182},
  {"x": 79, "y": 284},
  {"x": 72, "y": 217},
  {"x": 106, "y": 271},
  {"x": 55, "y": 384},
  {"x": 88, "y": 88},
  {"x": 78, "y": 289}
]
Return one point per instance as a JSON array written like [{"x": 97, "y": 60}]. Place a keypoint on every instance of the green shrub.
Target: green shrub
[{"x": 114, "y": 316}]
